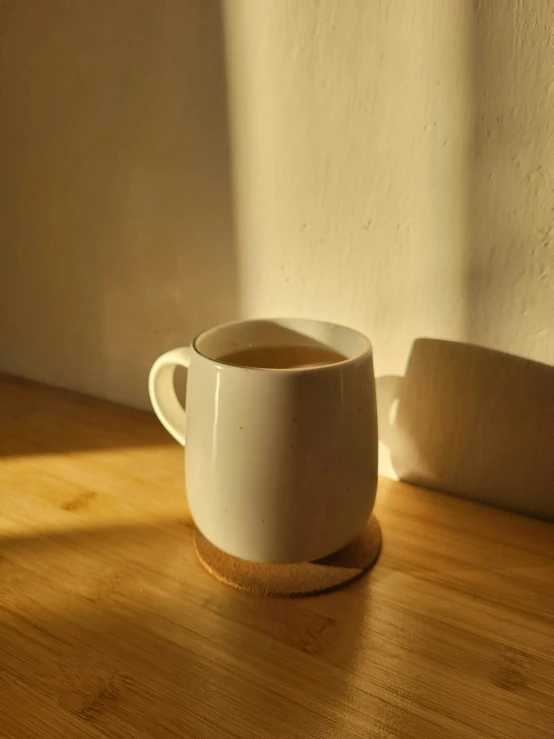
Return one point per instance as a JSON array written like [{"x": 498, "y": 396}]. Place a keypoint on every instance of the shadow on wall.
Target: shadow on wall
[
  {"x": 473, "y": 422},
  {"x": 115, "y": 196}
]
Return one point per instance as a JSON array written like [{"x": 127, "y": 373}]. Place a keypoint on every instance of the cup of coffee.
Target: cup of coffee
[{"x": 281, "y": 435}]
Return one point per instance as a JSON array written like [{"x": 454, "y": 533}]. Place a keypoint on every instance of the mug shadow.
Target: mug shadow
[
  {"x": 119, "y": 630},
  {"x": 473, "y": 422}
]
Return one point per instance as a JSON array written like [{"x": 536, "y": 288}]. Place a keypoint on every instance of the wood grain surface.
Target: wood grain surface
[{"x": 109, "y": 627}]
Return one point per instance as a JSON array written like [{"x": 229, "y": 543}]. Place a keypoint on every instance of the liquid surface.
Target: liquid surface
[{"x": 283, "y": 357}]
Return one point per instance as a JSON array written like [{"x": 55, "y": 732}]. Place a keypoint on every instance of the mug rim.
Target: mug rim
[{"x": 367, "y": 351}]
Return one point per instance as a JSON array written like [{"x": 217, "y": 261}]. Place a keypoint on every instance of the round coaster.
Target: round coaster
[{"x": 299, "y": 579}]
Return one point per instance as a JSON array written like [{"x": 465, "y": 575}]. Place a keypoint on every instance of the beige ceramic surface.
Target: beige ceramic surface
[{"x": 281, "y": 465}]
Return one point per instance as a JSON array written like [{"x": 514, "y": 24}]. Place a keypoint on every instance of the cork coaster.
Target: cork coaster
[{"x": 299, "y": 579}]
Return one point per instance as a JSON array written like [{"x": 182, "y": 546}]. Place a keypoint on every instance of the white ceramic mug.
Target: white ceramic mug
[{"x": 281, "y": 464}]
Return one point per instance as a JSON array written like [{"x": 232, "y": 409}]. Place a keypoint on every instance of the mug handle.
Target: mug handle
[{"x": 162, "y": 391}]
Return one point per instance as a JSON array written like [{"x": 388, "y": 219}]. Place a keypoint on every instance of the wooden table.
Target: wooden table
[{"x": 110, "y": 628}]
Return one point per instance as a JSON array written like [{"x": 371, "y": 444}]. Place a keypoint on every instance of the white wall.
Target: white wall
[
  {"x": 392, "y": 169},
  {"x": 352, "y": 144}
]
